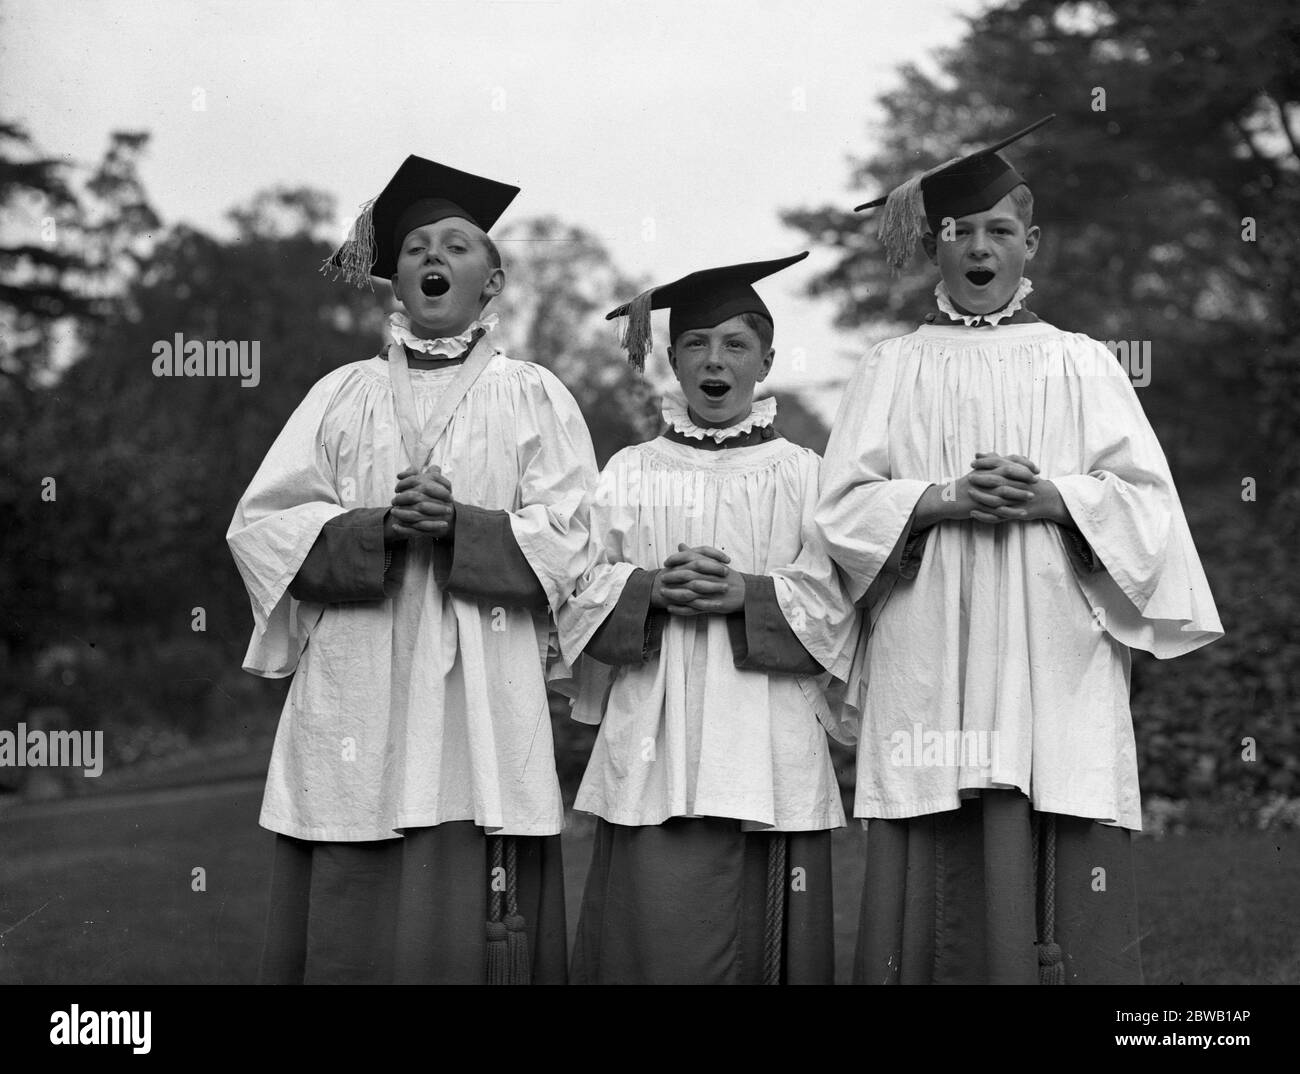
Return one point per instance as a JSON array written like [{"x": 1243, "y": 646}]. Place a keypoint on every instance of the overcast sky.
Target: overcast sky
[{"x": 674, "y": 130}]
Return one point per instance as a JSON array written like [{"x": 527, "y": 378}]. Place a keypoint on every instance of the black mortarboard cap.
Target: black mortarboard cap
[
  {"x": 700, "y": 300},
  {"x": 956, "y": 188},
  {"x": 420, "y": 192}
]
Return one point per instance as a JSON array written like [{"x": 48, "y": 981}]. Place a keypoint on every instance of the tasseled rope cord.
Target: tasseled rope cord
[
  {"x": 508, "y": 959},
  {"x": 519, "y": 961},
  {"x": 512, "y": 877},
  {"x": 774, "y": 917},
  {"x": 496, "y": 898},
  {"x": 1051, "y": 964},
  {"x": 497, "y": 961}
]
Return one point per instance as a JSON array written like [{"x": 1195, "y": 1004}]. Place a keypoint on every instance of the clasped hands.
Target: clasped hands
[
  {"x": 698, "y": 581},
  {"x": 422, "y": 506},
  {"x": 999, "y": 488}
]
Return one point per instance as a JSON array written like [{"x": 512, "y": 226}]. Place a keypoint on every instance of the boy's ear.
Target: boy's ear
[
  {"x": 766, "y": 367},
  {"x": 931, "y": 248},
  {"x": 1031, "y": 242},
  {"x": 494, "y": 284},
  {"x": 672, "y": 358}
]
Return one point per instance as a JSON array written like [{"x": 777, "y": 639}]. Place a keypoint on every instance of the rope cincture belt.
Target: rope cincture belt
[
  {"x": 1051, "y": 964},
  {"x": 774, "y": 910},
  {"x": 507, "y": 934}
]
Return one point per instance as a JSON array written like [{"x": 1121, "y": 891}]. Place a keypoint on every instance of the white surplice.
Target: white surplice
[
  {"x": 1002, "y": 664},
  {"x": 428, "y": 707},
  {"x": 687, "y": 733}
]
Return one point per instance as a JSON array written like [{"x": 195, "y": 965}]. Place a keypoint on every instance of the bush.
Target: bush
[{"x": 1220, "y": 724}]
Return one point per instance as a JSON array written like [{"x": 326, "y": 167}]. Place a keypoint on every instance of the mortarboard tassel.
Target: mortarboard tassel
[
  {"x": 636, "y": 333},
  {"x": 354, "y": 259},
  {"x": 901, "y": 222}
]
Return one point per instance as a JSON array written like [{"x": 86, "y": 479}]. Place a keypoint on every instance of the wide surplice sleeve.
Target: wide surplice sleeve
[
  {"x": 276, "y": 523},
  {"x": 800, "y": 619},
  {"x": 607, "y": 620},
  {"x": 865, "y": 513},
  {"x": 557, "y": 475},
  {"x": 611, "y": 597},
  {"x": 1151, "y": 592}
]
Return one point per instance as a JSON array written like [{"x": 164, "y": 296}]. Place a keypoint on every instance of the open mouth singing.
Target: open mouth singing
[{"x": 434, "y": 284}]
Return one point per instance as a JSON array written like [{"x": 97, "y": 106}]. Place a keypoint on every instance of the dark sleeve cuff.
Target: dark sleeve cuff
[
  {"x": 1081, "y": 553},
  {"x": 633, "y": 632},
  {"x": 482, "y": 561},
  {"x": 347, "y": 561},
  {"x": 761, "y": 639},
  {"x": 913, "y": 547}
]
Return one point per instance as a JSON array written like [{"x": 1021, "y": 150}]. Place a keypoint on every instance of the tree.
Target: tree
[
  {"x": 560, "y": 283},
  {"x": 149, "y": 469},
  {"x": 35, "y": 290},
  {"x": 77, "y": 235}
]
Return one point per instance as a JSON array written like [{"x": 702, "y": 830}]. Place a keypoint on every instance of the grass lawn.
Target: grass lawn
[{"x": 100, "y": 892}]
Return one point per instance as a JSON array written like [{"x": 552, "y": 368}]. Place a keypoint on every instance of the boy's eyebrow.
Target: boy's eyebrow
[
  {"x": 455, "y": 232},
  {"x": 965, "y": 220},
  {"x": 730, "y": 334}
]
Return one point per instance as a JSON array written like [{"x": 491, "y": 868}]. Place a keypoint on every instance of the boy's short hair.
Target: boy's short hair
[
  {"x": 756, "y": 323},
  {"x": 1023, "y": 199},
  {"x": 762, "y": 327}
]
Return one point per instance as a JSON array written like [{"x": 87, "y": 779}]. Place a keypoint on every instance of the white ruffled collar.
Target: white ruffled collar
[
  {"x": 399, "y": 327},
  {"x": 678, "y": 417},
  {"x": 970, "y": 320}
]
